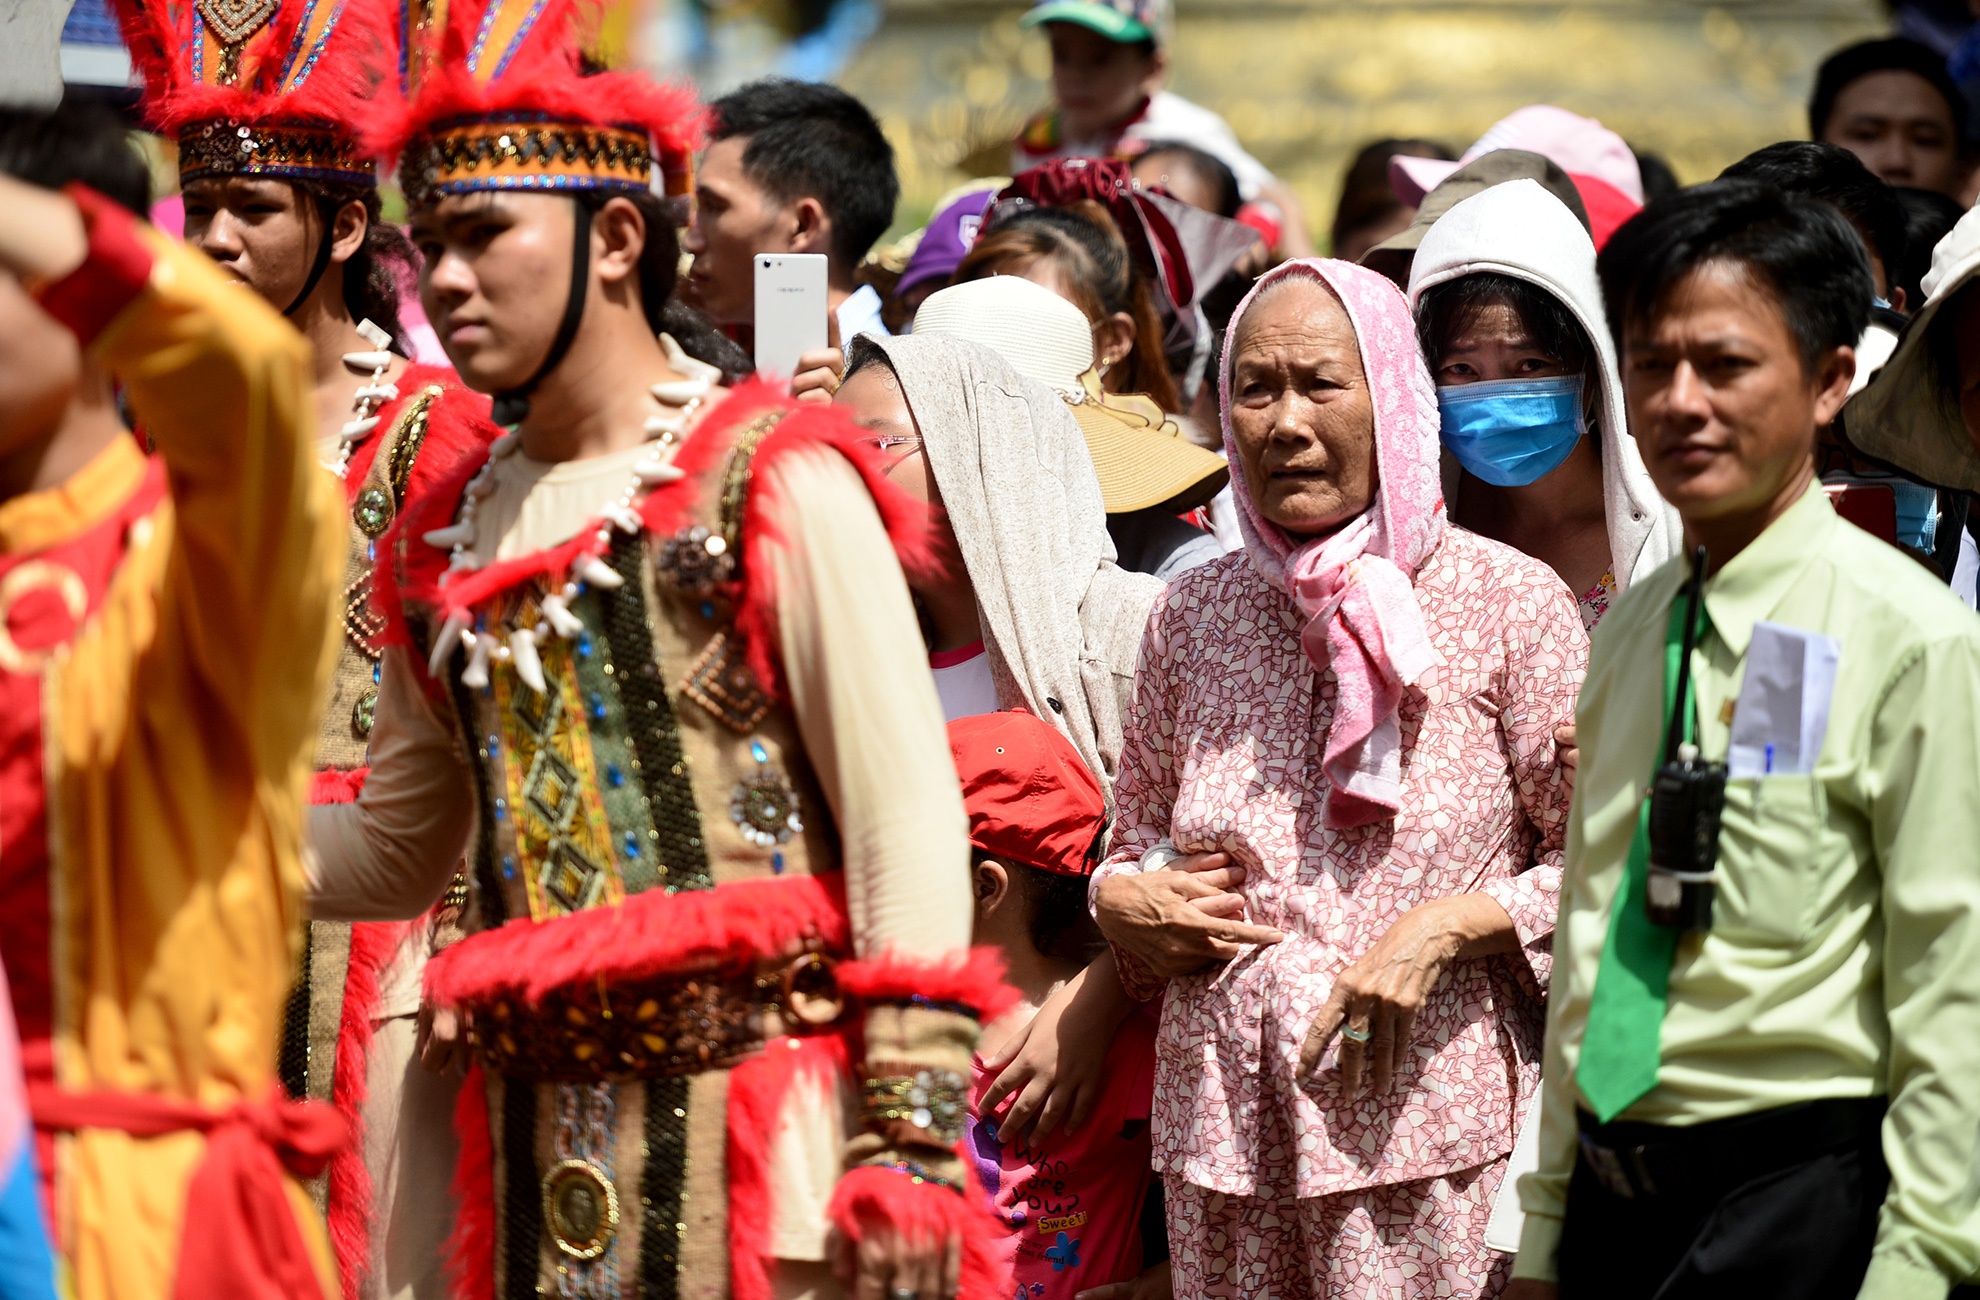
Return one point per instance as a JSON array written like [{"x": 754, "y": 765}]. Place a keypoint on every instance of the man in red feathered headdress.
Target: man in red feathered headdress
[
  {"x": 263, "y": 100},
  {"x": 656, "y": 669}
]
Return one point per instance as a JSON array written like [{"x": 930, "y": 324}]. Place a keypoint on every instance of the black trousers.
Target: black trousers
[{"x": 1777, "y": 1206}]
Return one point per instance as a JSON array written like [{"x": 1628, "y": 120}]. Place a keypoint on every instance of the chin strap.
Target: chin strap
[
  {"x": 316, "y": 270},
  {"x": 512, "y": 406}
]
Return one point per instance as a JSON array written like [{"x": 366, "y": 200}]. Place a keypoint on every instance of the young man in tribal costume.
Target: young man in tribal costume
[
  {"x": 280, "y": 193},
  {"x": 165, "y": 628},
  {"x": 658, "y": 662}
]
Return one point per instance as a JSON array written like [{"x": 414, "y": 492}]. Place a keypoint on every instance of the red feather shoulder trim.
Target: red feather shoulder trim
[
  {"x": 419, "y": 572},
  {"x": 457, "y": 426}
]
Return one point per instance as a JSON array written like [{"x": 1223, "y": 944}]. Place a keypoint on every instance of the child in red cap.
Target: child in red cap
[{"x": 1073, "y": 1202}]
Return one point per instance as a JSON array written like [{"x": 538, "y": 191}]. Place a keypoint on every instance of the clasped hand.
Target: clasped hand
[{"x": 1181, "y": 919}]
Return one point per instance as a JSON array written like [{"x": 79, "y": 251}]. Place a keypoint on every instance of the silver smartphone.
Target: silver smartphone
[{"x": 791, "y": 311}]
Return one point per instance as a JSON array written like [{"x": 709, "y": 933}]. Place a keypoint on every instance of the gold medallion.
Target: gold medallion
[{"x": 580, "y": 1208}]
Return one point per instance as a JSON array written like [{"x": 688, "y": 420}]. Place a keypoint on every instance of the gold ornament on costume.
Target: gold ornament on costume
[
  {"x": 580, "y": 1208},
  {"x": 232, "y": 22}
]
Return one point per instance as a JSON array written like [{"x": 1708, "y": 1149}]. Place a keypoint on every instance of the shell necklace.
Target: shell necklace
[
  {"x": 683, "y": 398},
  {"x": 376, "y": 392}
]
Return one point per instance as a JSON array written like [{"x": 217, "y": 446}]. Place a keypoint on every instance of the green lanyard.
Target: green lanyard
[{"x": 1623, "y": 1046}]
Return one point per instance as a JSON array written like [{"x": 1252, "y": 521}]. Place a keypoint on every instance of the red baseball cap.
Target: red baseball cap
[{"x": 1030, "y": 797}]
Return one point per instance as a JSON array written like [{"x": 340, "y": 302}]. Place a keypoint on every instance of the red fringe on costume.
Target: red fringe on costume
[
  {"x": 924, "y": 1210},
  {"x": 976, "y": 982},
  {"x": 757, "y": 1092},
  {"x": 422, "y": 574},
  {"x": 471, "y": 1248},
  {"x": 647, "y": 935},
  {"x": 542, "y": 77},
  {"x": 372, "y": 945}
]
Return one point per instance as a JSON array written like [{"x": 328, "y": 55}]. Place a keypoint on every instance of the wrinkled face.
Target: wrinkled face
[
  {"x": 734, "y": 220},
  {"x": 1966, "y": 340},
  {"x": 40, "y": 367},
  {"x": 1901, "y": 129},
  {"x": 1301, "y": 413},
  {"x": 1494, "y": 344},
  {"x": 1098, "y": 83},
  {"x": 261, "y": 232},
  {"x": 1723, "y": 409},
  {"x": 496, "y": 276}
]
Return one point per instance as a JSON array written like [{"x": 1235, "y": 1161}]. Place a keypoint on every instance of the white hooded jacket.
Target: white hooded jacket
[{"x": 1519, "y": 230}]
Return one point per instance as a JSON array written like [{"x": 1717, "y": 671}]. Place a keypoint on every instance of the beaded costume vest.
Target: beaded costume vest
[
  {"x": 346, "y": 726},
  {"x": 652, "y": 759}
]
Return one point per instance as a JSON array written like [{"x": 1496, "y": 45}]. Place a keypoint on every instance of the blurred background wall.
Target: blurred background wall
[{"x": 1306, "y": 82}]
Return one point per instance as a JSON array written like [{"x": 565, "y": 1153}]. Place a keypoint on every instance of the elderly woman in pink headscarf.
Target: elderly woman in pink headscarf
[{"x": 1347, "y": 732}]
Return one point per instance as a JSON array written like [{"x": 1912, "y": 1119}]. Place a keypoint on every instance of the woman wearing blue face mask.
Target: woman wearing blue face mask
[{"x": 1537, "y": 449}]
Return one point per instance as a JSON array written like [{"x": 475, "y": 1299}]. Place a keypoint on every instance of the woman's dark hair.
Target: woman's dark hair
[
  {"x": 659, "y": 275},
  {"x": 1208, "y": 169},
  {"x": 1447, "y": 310},
  {"x": 1929, "y": 217},
  {"x": 1083, "y": 242},
  {"x": 371, "y": 276},
  {"x": 82, "y": 140},
  {"x": 1801, "y": 250},
  {"x": 1055, "y": 907}
]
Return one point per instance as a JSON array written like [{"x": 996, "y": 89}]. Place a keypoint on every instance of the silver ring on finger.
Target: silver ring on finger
[
  {"x": 1354, "y": 1035},
  {"x": 903, "y": 1293}
]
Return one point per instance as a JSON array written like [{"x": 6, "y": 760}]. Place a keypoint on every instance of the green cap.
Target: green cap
[{"x": 1125, "y": 21}]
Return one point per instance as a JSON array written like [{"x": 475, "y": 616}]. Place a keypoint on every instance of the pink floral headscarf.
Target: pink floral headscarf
[{"x": 1355, "y": 584}]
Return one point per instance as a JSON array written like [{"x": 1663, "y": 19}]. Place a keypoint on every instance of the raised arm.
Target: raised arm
[{"x": 220, "y": 383}]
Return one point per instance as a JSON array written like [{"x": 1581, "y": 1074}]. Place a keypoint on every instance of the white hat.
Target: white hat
[
  {"x": 1044, "y": 337},
  {"x": 1909, "y": 415}
]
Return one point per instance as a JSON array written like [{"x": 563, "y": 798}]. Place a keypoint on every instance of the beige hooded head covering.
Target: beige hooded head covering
[
  {"x": 1062, "y": 623},
  {"x": 1520, "y": 230},
  {"x": 1909, "y": 414}
]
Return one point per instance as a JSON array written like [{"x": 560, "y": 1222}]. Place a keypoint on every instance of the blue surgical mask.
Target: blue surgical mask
[
  {"x": 1511, "y": 432},
  {"x": 1917, "y": 515}
]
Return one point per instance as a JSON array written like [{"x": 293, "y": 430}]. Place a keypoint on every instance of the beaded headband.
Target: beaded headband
[
  {"x": 516, "y": 152},
  {"x": 287, "y": 151}
]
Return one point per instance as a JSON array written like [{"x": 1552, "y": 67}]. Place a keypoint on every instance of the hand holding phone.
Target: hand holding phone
[{"x": 793, "y": 316}]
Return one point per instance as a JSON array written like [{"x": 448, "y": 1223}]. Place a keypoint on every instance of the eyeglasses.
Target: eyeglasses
[{"x": 906, "y": 444}]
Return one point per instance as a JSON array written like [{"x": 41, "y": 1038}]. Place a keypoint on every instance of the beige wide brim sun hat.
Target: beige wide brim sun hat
[
  {"x": 1909, "y": 414},
  {"x": 1139, "y": 454}
]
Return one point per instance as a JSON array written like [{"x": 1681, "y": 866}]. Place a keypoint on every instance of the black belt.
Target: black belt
[{"x": 1632, "y": 1160}]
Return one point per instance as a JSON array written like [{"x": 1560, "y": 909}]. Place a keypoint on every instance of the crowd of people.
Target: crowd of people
[{"x": 1156, "y": 763}]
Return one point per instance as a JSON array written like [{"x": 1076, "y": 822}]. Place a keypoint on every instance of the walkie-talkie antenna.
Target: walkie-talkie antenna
[{"x": 1693, "y": 599}]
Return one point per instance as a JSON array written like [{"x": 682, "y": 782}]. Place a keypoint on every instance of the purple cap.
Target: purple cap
[{"x": 946, "y": 241}]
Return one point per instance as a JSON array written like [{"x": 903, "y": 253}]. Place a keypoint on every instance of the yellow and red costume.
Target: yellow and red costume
[
  {"x": 165, "y": 628},
  {"x": 275, "y": 90}
]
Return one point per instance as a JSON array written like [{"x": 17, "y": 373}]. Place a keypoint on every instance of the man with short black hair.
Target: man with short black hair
[
  {"x": 1838, "y": 177},
  {"x": 1891, "y": 103},
  {"x": 791, "y": 167},
  {"x": 1762, "y": 1077}
]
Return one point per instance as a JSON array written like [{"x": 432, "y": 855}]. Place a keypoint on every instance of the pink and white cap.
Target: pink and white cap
[{"x": 1583, "y": 148}]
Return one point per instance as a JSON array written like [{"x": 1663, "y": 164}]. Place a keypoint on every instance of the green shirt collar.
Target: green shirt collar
[{"x": 1754, "y": 582}]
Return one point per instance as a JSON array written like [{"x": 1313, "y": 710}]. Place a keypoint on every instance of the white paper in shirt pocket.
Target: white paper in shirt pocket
[{"x": 1783, "y": 712}]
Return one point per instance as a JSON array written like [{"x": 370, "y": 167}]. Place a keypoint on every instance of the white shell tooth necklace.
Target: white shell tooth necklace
[
  {"x": 487, "y": 646},
  {"x": 376, "y": 392}
]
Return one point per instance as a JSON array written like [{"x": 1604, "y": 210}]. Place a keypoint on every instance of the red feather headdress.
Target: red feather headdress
[
  {"x": 500, "y": 99},
  {"x": 262, "y": 87}
]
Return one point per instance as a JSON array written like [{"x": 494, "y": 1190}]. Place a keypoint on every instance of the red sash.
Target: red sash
[{"x": 240, "y": 1238}]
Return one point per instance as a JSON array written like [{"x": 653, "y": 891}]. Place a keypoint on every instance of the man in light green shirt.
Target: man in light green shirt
[{"x": 1788, "y": 1103}]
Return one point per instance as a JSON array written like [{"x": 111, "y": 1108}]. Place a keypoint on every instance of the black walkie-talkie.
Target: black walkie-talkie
[{"x": 1686, "y": 799}]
